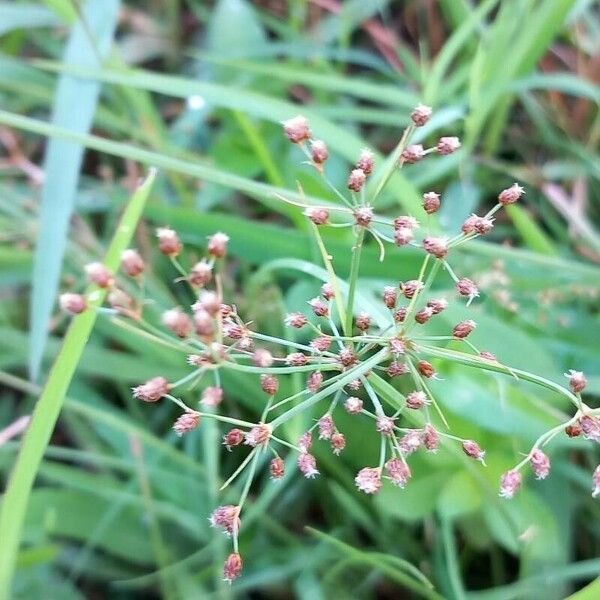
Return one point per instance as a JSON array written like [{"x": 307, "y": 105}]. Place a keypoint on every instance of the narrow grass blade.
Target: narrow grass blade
[
  {"x": 47, "y": 409},
  {"x": 74, "y": 107}
]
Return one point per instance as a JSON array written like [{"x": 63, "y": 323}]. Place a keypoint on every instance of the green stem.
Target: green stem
[{"x": 354, "y": 267}]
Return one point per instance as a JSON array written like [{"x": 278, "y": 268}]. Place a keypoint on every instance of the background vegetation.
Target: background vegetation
[{"x": 93, "y": 93}]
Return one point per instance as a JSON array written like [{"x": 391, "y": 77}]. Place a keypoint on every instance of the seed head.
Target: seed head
[
  {"x": 296, "y": 359},
  {"x": 269, "y": 384},
  {"x": 355, "y": 384},
  {"x": 132, "y": 263},
  {"x": 411, "y": 442},
  {"x": 577, "y": 381},
  {"x": 596, "y": 482},
  {"x": 406, "y": 221},
  {"x": 234, "y": 437},
  {"x": 431, "y": 202},
  {"x": 232, "y": 567},
  {"x": 153, "y": 390},
  {"x": 178, "y": 322},
  {"x": 72, "y": 303},
  {"x": 437, "y": 305},
  {"x": 305, "y": 441},
  {"x": 425, "y": 368},
  {"x": 368, "y": 480},
  {"x": 510, "y": 482},
  {"x": 480, "y": 225},
  {"x": 488, "y": 356},
  {"x": 338, "y": 442},
  {"x": 226, "y": 518},
  {"x": 314, "y": 381},
  {"x": 424, "y": 315},
  {"x": 590, "y": 426},
  {"x": 431, "y": 438},
  {"x": 319, "y": 152},
  {"x": 277, "y": 468},
  {"x": 319, "y": 216},
  {"x": 296, "y": 129},
  {"x": 390, "y": 296},
  {"x": 353, "y": 405},
  {"x": 307, "y": 465},
  {"x": 347, "y": 357},
  {"x": 201, "y": 273},
  {"x": 356, "y": 180},
  {"x": 412, "y": 154},
  {"x": 540, "y": 463},
  {"x": 365, "y": 161},
  {"x": 204, "y": 323},
  {"x": 448, "y": 145},
  {"x": 466, "y": 287},
  {"x": 120, "y": 301},
  {"x": 208, "y": 301},
  {"x": 363, "y": 216},
  {"x": 295, "y": 320},
  {"x": 463, "y": 329},
  {"x": 186, "y": 422},
  {"x": 319, "y": 307},
  {"x": 97, "y": 273},
  {"x": 363, "y": 321},
  {"x": 400, "y": 314},
  {"x": 396, "y": 368},
  {"x": 385, "y": 425},
  {"x": 573, "y": 430},
  {"x": 421, "y": 114},
  {"x": 258, "y": 436},
  {"x": 217, "y": 244},
  {"x": 403, "y": 236},
  {"x": 168, "y": 241},
  {"x": 417, "y": 400},
  {"x": 411, "y": 287},
  {"x": 398, "y": 472},
  {"x": 321, "y": 344},
  {"x": 327, "y": 291},
  {"x": 227, "y": 310},
  {"x": 235, "y": 331},
  {"x": 397, "y": 346},
  {"x": 212, "y": 396},
  {"x": 510, "y": 195},
  {"x": 326, "y": 427},
  {"x": 473, "y": 450},
  {"x": 436, "y": 246}
]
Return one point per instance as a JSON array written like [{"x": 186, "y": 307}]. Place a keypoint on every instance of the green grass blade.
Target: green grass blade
[
  {"x": 47, "y": 409},
  {"x": 74, "y": 107},
  {"x": 25, "y": 16}
]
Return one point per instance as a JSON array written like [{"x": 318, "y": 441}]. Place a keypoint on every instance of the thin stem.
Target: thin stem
[{"x": 354, "y": 268}]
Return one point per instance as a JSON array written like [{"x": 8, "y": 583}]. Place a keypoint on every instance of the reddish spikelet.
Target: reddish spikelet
[
  {"x": 436, "y": 246},
  {"x": 319, "y": 307},
  {"x": 314, "y": 381},
  {"x": 411, "y": 442},
  {"x": 573, "y": 430},
  {"x": 403, "y": 236},
  {"x": 347, "y": 357},
  {"x": 431, "y": 202},
  {"x": 448, "y": 145},
  {"x": 412, "y": 154},
  {"x": 437, "y": 305},
  {"x": 326, "y": 427},
  {"x": 258, "y": 436},
  {"x": 431, "y": 438},
  {"x": 406, "y": 222},
  {"x": 217, "y": 244},
  {"x": 178, "y": 322},
  {"x": 296, "y": 320},
  {"x": 338, "y": 442},
  {"x": 390, "y": 296},
  {"x": 397, "y": 347},
  {"x": 234, "y": 437},
  {"x": 132, "y": 263},
  {"x": 577, "y": 381},
  {"x": 201, "y": 273},
  {"x": 396, "y": 369},
  {"x": 466, "y": 287},
  {"x": 307, "y": 465},
  {"x": 480, "y": 225},
  {"x": 72, "y": 303},
  {"x": 235, "y": 331},
  {"x": 590, "y": 426},
  {"x": 168, "y": 241},
  {"x": 212, "y": 396},
  {"x": 463, "y": 329},
  {"x": 355, "y": 385},
  {"x": 153, "y": 390},
  {"x": 319, "y": 152},
  {"x": 540, "y": 463},
  {"x": 385, "y": 425},
  {"x": 277, "y": 468},
  {"x": 353, "y": 405},
  {"x": 296, "y": 359},
  {"x": 305, "y": 441},
  {"x": 186, "y": 422},
  {"x": 296, "y": 129},
  {"x": 417, "y": 400},
  {"x": 356, "y": 180},
  {"x": 510, "y": 482},
  {"x": 208, "y": 301},
  {"x": 400, "y": 315},
  {"x": 327, "y": 291},
  {"x": 363, "y": 321},
  {"x": 204, "y": 323},
  {"x": 97, "y": 273},
  {"x": 319, "y": 216},
  {"x": 411, "y": 287},
  {"x": 363, "y": 216},
  {"x": 425, "y": 368},
  {"x": 232, "y": 567},
  {"x": 398, "y": 472},
  {"x": 368, "y": 480},
  {"x": 269, "y": 384},
  {"x": 473, "y": 450},
  {"x": 510, "y": 195},
  {"x": 226, "y": 518},
  {"x": 365, "y": 161},
  {"x": 321, "y": 344},
  {"x": 421, "y": 114},
  {"x": 423, "y": 315}
]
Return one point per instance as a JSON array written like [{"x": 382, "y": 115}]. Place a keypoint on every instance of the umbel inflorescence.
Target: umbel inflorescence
[{"x": 348, "y": 355}]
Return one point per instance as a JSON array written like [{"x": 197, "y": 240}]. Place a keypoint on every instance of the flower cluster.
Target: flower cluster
[{"x": 348, "y": 356}]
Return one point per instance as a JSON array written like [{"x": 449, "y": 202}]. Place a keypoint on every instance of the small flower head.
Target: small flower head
[
  {"x": 390, "y": 296},
  {"x": 186, "y": 422},
  {"x": 365, "y": 161},
  {"x": 208, "y": 301},
  {"x": 120, "y": 301},
  {"x": 168, "y": 241},
  {"x": 406, "y": 221},
  {"x": 363, "y": 216},
  {"x": 72, "y": 303},
  {"x": 437, "y": 305},
  {"x": 368, "y": 480},
  {"x": 153, "y": 390},
  {"x": 307, "y": 465},
  {"x": 235, "y": 331},
  {"x": 436, "y": 246},
  {"x": 398, "y": 472},
  {"x": 423, "y": 315},
  {"x": 363, "y": 321},
  {"x": 466, "y": 287},
  {"x": 573, "y": 430},
  {"x": 314, "y": 381},
  {"x": 217, "y": 244},
  {"x": 385, "y": 425},
  {"x": 226, "y": 518},
  {"x": 480, "y": 225},
  {"x": 540, "y": 463},
  {"x": 425, "y": 368},
  {"x": 204, "y": 323},
  {"x": 296, "y": 359},
  {"x": 234, "y": 437},
  {"x": 448, "y": 145},
  {"x": 396, "y": 369},
  {"x": 473, "y": 450},
  {"x": 232, "y": 567},
  {"x": 178, "y": 322},
  {"x": 510, "y": 482},
  {"x": 431, "y": 202},
  {"x": 347, "y": 357},
  {"x": 319, "y": 152},
  {"x": 277, "y": 468},
  {"x": 400, "y": 314},
  {"x": 326, "y": 427},
  {"x": 319, "y": 216},
  {"x": 338, "y": 442},
  {"x": 296, "y": 129},
  {"x": 355, "y": 384},
  {"x": 200, "y": 274},
  {"x": 321, "y": 344},
  {"x": 319, "y": 307},
  {"x": 296, "y": 320},
  {"x": 590, "y": 427},
  {"x": 577, "y": 381},
  {"x": 353, "y": 405},
  {"x": 431, "y": 438},
  {"x": 397, "y": 346},
  {"x": 412, "y": 154},
  {"x": 411, "y": 442},
  {"x": 269, "y": 384},
  {"x": 132, "y": 263},
  {"x": 510, "y": 195},
  {"x": 596, "y": 482},
  {"x": 403, "y": 236},
  {"x": 356, "y": 180},
  {"x": 97, "y": 273},
  {"x": 416, "y": 400},
  {"x": 327, "y": 291},
  {"x": 258, "y": 436},
  {"x": 411, "y": 287},
  {"x": 305, "y": 441},
  {"x": 212, "y": 396},
  {"x": 463, "y": 329},
  {"x": 421, "y": 114}
]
